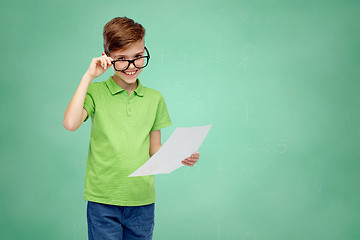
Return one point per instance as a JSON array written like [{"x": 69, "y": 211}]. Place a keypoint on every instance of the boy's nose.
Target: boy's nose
[{"x": 132, "y": 66}]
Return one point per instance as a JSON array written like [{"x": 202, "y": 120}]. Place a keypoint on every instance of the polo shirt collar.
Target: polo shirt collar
[{"x": 115, "y": 88}]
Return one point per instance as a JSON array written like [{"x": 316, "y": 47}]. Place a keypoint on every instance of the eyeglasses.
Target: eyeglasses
[{"x": 140, "y": 62}]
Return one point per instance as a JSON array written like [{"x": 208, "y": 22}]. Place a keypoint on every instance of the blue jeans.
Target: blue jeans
[{"x": 110, "y": 222}]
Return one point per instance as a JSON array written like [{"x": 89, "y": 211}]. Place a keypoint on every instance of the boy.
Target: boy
[{"x": 126, "y": 119}]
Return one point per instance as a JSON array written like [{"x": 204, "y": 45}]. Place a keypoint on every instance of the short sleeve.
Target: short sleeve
[
  {"x": 162, "y": 119},
  {"x": 89, "y": 103}
]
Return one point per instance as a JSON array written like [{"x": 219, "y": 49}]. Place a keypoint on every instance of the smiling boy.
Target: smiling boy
[{"x": 126, "y": 118}]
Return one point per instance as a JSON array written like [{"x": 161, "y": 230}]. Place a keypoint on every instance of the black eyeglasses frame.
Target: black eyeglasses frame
[{"x": 132, "y": 61}]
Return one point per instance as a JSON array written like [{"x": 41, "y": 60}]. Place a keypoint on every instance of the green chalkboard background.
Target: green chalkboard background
[{"x": 279, "y": 81}]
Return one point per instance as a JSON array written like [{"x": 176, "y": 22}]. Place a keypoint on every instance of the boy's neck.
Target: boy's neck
[{"x": 128, "y": 87}]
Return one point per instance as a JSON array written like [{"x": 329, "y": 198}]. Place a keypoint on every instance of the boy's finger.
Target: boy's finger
[
  {"x": 190, "y": 161},
  {"x": 103, "y": 63}
]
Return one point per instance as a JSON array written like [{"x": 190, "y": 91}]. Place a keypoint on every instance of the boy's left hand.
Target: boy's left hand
[{"x": 190, "y": 161}]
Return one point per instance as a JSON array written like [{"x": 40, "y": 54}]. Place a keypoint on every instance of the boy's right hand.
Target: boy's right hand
[{"x": 99, "y": 65}]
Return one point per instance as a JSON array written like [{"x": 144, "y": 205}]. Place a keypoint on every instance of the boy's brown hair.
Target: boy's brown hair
[{"x": 120, "y": 32}]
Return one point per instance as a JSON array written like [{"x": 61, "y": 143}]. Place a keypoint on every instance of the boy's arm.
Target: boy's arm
[
  {"x": 75, "y": 114},
  {"x": 155, "y": 141}
]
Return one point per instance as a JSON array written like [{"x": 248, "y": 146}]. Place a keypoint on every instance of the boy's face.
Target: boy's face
[{"x": 130, "y": 75}]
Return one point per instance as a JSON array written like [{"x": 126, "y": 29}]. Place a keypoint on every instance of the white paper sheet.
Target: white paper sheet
[{"x": 183, "y": 142}]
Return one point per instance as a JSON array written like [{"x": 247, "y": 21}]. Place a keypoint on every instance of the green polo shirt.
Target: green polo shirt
[{"x": 120, "y": 142}]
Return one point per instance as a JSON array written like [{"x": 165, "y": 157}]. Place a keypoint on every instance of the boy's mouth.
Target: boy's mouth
[{"x": 129, "y": 73}]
